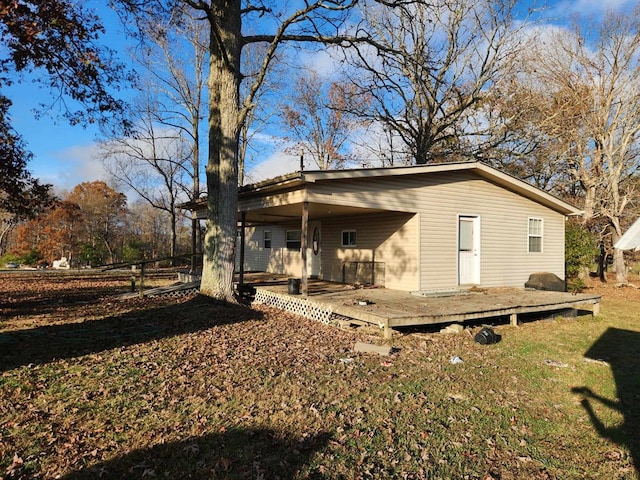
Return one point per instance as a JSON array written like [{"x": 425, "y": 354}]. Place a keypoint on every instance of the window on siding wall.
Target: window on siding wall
[
  {"x": 267, "y": 238},
  {"x": 535, "y": 235},
  {"x": 294, "y": 239},
  {"x": 349, "y": 238},
  {"x": 465, "y": 240}
]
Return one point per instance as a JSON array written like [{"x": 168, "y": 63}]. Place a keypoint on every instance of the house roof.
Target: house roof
[
  {"x": 630, "y": 240},
  {"x": 498, "y": 177},
  {"x": 299, "y": 179}
]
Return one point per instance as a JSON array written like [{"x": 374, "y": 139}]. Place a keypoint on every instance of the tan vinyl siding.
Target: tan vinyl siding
[
  {"x": 388, "y": 239},
  {"x": 277, "y": 259},
  {"x": 439, "y": 199},
  {"x": 384, "y": 193},
  {"x": 256, "y": 257},
  {"x": 416, "y": 237},
  {"x": 504, "y": 259},
  {"x": 283, "y": 260}
]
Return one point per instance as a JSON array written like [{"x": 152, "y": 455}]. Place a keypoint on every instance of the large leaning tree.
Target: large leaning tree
[{"x": 311, "y": 21}]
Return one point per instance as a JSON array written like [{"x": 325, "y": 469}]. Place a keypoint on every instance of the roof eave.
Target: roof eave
[
  {"x": 300, "y": 178},
  {"x": 528, "y": 190}
]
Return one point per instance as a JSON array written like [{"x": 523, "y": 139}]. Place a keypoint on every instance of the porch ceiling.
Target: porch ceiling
[{"x": 293, "y": 212}]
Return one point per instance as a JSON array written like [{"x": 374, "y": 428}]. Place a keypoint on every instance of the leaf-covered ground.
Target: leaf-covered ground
[{"x": 93, "y": 387}]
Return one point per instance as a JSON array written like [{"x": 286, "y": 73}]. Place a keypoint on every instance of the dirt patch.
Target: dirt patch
[{"x": 609, "y": 290}]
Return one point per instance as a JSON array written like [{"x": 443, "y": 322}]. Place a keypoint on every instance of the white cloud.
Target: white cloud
[
  {"x": 66, "y": 168},
  {"x": 322, "y": 62},
  {"x": 277, "y": 164},
  {"x": 82, "y": 163},
  {"x": 326, "y": 62},
  {"x": 588, "y": 7}
]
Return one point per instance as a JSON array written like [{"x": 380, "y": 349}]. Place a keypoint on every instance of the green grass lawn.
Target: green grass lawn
[{"x": 194, "y": 389}]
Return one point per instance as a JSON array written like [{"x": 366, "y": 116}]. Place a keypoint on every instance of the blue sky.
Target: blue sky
[
  {"x": 62, "y": 154},
  {"x": 65, "y": 156}
]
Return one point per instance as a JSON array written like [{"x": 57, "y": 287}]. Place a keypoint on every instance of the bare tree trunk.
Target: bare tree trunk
[
  {"x": 621, "y": 268},
  {"x": 589, "y": 206},
  {"x": 602, "y": 264},
  {"x": 109, "y": 250},
  {"x": 242, "y": 152},
  {"x": 618, "y": 255},
  {"x": 222, "y": 167},
  {"x": 194, "y": 244},
  {"x": 195, "y": 225},
  {"x": 5, "y": 228}
]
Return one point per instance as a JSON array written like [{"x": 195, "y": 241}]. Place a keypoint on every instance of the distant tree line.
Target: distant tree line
[
  {"x": 418, "y": 81},
  {"x": 93, "y": 225}
]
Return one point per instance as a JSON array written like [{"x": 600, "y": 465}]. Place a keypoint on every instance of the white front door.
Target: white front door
[
  {"x": 314, "y": 250},
  {"x": 468, "y": 250}
]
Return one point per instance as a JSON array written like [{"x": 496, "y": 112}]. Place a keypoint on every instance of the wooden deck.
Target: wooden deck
[{"x": 390, "y": 309}]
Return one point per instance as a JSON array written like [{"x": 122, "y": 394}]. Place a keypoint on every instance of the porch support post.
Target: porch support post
[
  {"x": 194, "y": 241},
  {"x": 142, "y": 265},
  {"x": 243, "y": 224},
  {"x": 303, "y": 246}
]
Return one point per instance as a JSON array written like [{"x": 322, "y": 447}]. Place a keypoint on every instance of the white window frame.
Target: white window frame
[
  {"x": 266, "y": 237},
  {"x": 288, "y": 241},
  {"x": 352, "y": 240},
  {"x": 535, "y": 234}
]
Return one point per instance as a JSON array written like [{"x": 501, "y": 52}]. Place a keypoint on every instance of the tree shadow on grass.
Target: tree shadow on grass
[
  {"x": 47, "y": 343},
  {"x": 60, "y": 291},
  {"x": 621, "y": 349},
  {"x": 233, "y": 454}
]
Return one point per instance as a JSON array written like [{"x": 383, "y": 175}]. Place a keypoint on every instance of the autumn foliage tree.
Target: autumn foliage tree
[
  {"x": 102, "y": 210},
  {"x": 83, "y": 227},
  {"x": 53, "y": 234}
]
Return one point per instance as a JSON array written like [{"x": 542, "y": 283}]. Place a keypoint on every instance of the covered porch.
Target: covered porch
[{"x": 311, "y": 258}]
